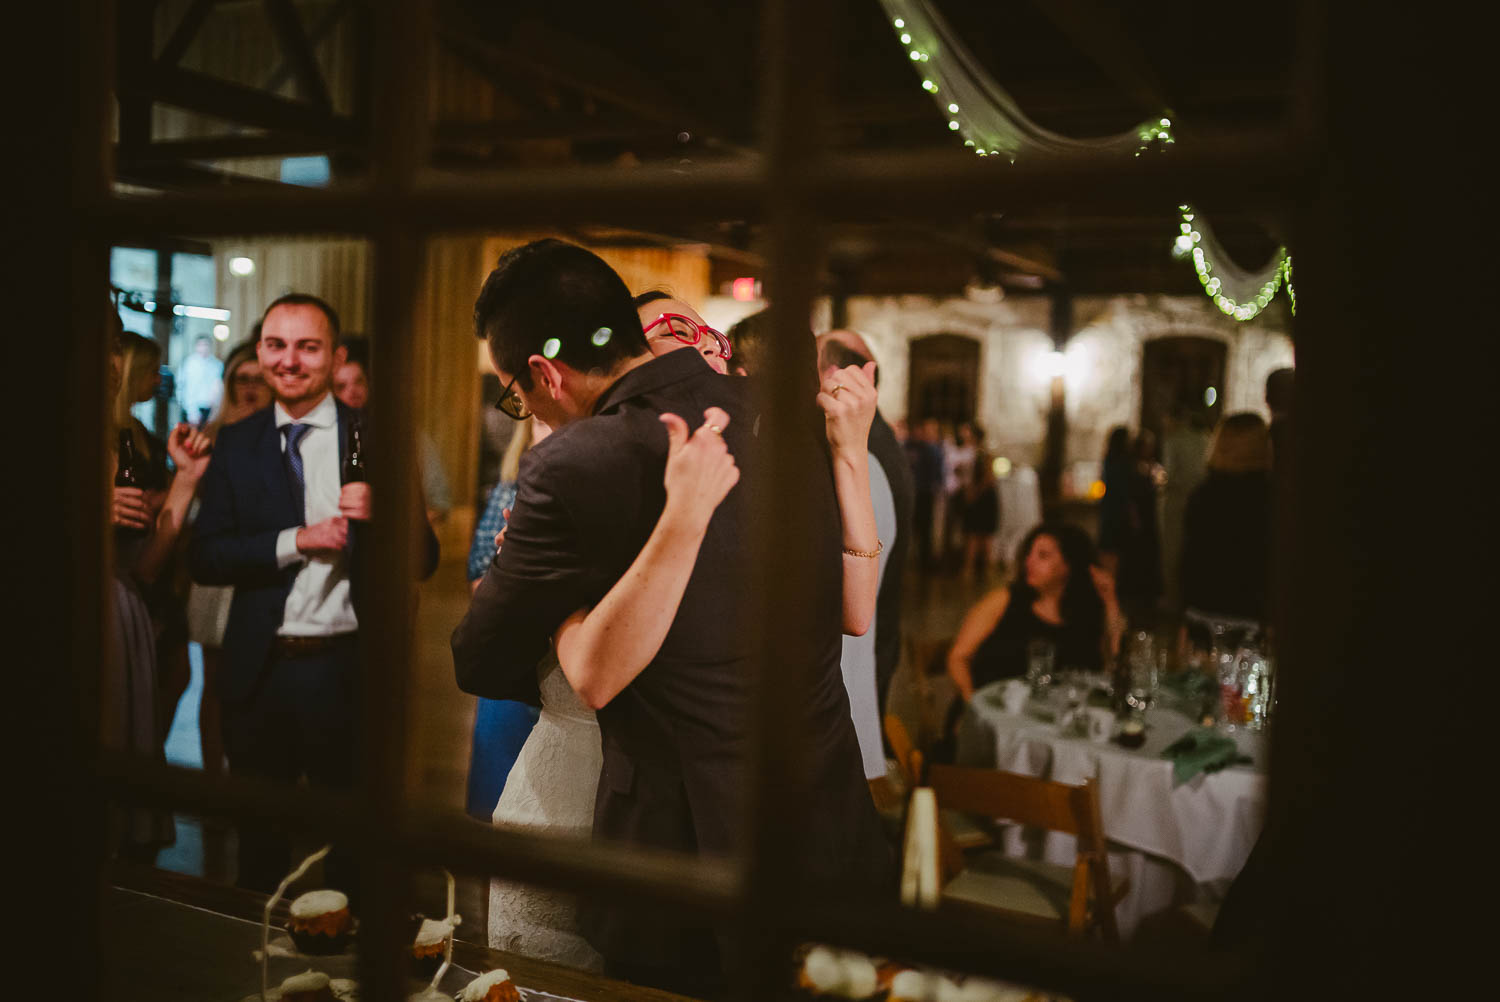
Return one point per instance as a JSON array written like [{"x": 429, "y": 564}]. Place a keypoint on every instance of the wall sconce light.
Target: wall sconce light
[{"x": 241, "y": 266}]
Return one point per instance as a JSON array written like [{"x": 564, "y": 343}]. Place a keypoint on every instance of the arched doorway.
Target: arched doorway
[
  {"x": 1185, "y": 373},
  {"x": 944, "y": 378}
]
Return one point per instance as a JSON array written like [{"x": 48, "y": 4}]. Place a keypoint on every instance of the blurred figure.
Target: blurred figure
[
  {"x": 924, "y": 454},
  {"x": 1226, "y": 538},
  {"x": 1280, "y": 386},
  {"x": 979, "y": 516},
  {"x": 1184, "y": 457},
  {"x": 244, "y": 393},
  {"x": 141, "y": 362},
  {"x": 1059, "y": 595},
  {"x": 501, "y": 726},
  {"x": 201, "y": 384},
  {"x": 351, "y": 385},
  {"x": 958, "y": 468},
  {"x": 748, "y": 337},
  {"x": 1129, "y": 543},
  {"x": 146, "y": 535}
]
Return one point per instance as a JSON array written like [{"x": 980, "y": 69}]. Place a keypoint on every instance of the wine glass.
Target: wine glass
[{"x": 1041, "y": 655}]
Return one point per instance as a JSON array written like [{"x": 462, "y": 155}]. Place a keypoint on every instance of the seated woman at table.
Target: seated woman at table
[{"x": 1060, "y": 594}]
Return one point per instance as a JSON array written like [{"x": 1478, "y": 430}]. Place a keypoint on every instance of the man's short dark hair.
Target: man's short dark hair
[
  {"x": 750, "y": 338},
  {"x": 833, "y": 352},
  {"x": 555, "y": 299},
  {"x": 306, "y": 299}
]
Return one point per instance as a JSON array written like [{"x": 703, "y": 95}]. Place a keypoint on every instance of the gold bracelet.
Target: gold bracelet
[{"x": 879, "y": 548}]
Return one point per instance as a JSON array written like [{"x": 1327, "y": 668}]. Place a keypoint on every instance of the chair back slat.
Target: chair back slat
[{"x": 1038, "y": 803}]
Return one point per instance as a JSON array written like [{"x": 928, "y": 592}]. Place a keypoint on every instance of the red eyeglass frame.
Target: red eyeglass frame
[{"x": 698, "y": 330}]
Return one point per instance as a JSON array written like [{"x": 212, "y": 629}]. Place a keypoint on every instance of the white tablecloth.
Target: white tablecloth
[{"x": 1177, "y": 843}]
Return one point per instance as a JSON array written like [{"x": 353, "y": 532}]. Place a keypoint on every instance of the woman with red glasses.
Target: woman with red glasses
[{"x": 671, "y": 324}]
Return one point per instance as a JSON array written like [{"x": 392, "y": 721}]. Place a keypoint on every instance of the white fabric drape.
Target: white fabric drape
[{"x": 986, "y": 116}]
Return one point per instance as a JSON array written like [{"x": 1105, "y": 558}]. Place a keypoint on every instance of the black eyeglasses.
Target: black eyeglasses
[{"x": 510, "y": 403}]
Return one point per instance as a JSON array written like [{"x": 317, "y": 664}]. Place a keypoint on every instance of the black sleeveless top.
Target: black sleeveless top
[{"x": 1003, "y": 653}]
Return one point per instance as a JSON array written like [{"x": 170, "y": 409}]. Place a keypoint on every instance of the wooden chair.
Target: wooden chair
[
  {"x": 1081, "y": 898},
  {"x": 965, "y": 832}
]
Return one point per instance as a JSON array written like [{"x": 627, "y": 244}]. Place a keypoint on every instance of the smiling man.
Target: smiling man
[{"x": 277, "y": 523}]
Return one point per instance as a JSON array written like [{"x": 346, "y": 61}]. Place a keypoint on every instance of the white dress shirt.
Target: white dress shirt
[{"x": 318, "y": 604}]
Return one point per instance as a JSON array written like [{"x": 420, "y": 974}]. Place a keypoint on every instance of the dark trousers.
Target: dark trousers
[{"x": 299, "y": 720}]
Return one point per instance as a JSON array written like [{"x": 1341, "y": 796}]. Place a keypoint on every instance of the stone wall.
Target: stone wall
[{"x": 1101, "y": 362}]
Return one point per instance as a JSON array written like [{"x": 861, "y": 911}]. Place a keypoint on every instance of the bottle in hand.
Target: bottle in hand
[
  {"x": 355, "y": 470},
  {"x": 127, "y": 471}
]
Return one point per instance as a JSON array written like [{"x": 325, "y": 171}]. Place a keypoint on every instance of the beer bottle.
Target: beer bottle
[
  {"x": 127, "y": 474},
  {"x": 355, "y": 471}
]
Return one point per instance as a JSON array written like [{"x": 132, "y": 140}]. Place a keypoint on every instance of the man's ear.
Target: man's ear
[
  {"x": 544, "y": 372},
  {"x": 340, "y": 355}
]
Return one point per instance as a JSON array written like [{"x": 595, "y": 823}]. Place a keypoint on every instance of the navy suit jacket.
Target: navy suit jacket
[{"x": 246, "y": 500}]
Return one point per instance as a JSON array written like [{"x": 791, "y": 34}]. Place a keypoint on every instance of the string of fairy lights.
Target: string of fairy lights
[{"x": 1007, "y": 133}]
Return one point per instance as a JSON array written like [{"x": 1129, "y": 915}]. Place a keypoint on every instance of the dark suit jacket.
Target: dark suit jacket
[
  {"x": 674, "y": 739},
  {"x": 246, "y": 499},
  {"x": 892, "y": 459}
]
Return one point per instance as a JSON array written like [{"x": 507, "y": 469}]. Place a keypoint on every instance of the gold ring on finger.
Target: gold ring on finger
[
  {"x": 716, "y": 429},
  {"x": 835, "y": 391}
]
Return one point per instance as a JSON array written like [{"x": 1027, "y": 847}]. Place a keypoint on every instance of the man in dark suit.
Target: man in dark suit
[
  {"x": 840, "y": 348},
  {"x": 279, "y": 524},
  {"x": 567, "y": 345}
]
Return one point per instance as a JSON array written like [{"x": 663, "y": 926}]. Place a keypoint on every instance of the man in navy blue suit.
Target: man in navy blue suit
[{"x": 279, "y": 524}]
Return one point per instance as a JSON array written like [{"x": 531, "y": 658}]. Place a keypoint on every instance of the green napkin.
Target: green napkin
[{"x": 1201, "y": 750}]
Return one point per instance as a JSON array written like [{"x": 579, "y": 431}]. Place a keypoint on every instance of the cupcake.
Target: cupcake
[
  {"x": 310, "y": 986},
  {"x": 427, "y": 950},
  {"x": 496, "y": 986},
  {"x": 320, "y": 922},
  {"x": 922, "y": 986},
  {"x": 841, "y": 974}
]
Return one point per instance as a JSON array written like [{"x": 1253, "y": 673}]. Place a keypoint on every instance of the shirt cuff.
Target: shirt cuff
[{"x": 286, "y": 548}]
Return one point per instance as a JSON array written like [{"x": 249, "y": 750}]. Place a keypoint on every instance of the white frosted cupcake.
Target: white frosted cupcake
[
  {"x": 320, "y": 922},
  {"x": 495, "y": 986}
]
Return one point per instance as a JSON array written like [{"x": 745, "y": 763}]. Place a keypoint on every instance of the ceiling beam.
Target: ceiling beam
[
  {"x": 186, "y": 31},
  {"x": 296, "y": 50},
  {"x": 320, "y": 31},
  {"x": 209, "y": 95},
  {"x": 1098, "y": 32}
]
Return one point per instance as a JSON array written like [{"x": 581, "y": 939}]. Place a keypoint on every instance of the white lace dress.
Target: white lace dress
[{"x": 551, "y": 789}]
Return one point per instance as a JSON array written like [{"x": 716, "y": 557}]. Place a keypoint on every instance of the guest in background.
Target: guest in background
[
  {"x": 979, "y": 516},
  {"x": 1185, "y": 461},
  {"x": 145, "y": 537},
  {"x": 959, "y": 448},
  {"x": 351, "y": 384},
  {"x": 501, "y": 726},
  {"x": 1129, "y": 544},
  {"x": 845, "y": 348},
  {"x": 244, "y": 393},
  {"x": 495, "y": 432},
  {"x": 1279, "y": 396},
  {"x": 748, "y": 338},
  {"x": 924, "y": 454},
  {"x": 1060, "y": 594},
  {"x": 142, "y": 376},
  {"x": 1226, "y": 536},
  {"x": 201, "y": 386}
]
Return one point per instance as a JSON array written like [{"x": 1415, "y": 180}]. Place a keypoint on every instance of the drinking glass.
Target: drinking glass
[{"x": 1040, "y": 657}]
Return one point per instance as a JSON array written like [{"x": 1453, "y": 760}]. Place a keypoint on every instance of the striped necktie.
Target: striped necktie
[{"x": 295, "y": 433}]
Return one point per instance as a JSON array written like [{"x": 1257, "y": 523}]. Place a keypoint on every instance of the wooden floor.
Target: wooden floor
[{"x": 441, "y": 719}]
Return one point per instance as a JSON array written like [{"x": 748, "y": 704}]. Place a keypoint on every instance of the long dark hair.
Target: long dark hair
[{"x": 1082, "y": 609}]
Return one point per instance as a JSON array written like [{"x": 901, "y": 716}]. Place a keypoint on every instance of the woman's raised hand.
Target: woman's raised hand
[
  {"x": 700, "y": 471},
  {"x": 848, "y": 399},
  {"x": 189, "y": 449}
]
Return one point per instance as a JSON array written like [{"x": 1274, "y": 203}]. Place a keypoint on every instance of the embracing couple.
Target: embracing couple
[{"x": 624, "y": 571}]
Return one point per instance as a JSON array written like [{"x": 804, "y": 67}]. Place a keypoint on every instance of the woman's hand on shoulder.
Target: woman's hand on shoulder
[
  {"x": 700, "y": 470},
  {"x": 848, "y": 399}
]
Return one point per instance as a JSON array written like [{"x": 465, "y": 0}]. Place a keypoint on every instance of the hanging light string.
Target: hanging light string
[
  {"x": 990, "y": 123},
  {"x": 981, "y": 111},
  {"x": 1237, "y": 293}
]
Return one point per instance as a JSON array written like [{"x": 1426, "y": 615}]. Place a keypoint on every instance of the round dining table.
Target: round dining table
[{"x": 1179, "y": 843}]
